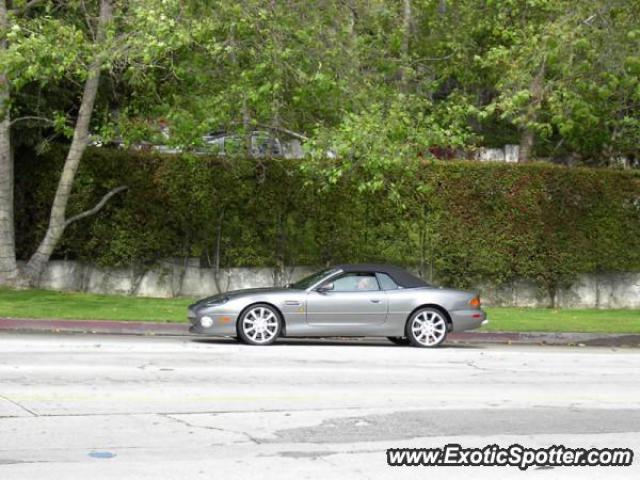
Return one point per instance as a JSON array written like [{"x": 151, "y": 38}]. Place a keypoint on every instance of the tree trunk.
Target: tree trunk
[
  {"x": 8, "y": 265},
  {"x": 406, "y": 27},
  {"x": 528, "y": 136},
  {"x": 246, "y": 125},
  {"x": 442, "y": 7},
  {"x": 404, "y": 47},
  {"x": 527, "y": 140},
  {"x": 57, "y": 218}
]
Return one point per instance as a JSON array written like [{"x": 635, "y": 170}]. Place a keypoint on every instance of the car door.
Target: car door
[{"x": 350, "y": 300}]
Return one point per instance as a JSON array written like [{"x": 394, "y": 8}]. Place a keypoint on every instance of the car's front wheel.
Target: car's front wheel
[
  {"x": 427, "y": 327},
  {"x": 260, "y": 324}
]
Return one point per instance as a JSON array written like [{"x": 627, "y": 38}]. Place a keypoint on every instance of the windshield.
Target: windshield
[{"x": 306, "y": 282}]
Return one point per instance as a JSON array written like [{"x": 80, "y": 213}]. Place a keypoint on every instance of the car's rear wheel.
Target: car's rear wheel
[
  {"x": 427, "y": 327},
  {"x": 260, "y": 324},
  {"x": 399, "y": 340}
]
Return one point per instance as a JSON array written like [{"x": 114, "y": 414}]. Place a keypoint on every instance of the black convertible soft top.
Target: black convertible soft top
[{"x": 399, "y": 275}]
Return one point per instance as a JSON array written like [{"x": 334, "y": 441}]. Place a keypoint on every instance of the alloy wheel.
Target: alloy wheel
[
  {"x": 260, "y": 325},
  {"x": 427, "y": 328}
]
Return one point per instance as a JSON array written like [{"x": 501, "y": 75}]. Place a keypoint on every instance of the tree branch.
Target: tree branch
[
  {"x": 28, "y": 6},
  {"x": 291, "y": 133},
  {"x": 97, "y": 208},
  {"x": 31, "y": 117}
]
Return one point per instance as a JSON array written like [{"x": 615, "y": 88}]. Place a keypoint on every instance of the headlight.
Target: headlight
[
  {"x": 206, "y": 322},
  {"x": 217, "y": 301}
]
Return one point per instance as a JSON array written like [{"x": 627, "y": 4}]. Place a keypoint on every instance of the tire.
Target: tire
[
  {"x": 259, "y": 324},
  {"x": 399, "y": 340},
  {"x": 427, "y": 328}
]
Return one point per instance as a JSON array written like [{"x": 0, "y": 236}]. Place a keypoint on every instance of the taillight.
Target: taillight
[{"x": 475, "y": 302}]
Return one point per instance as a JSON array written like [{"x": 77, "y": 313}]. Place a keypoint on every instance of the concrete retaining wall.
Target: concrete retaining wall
[
  {"x": 613, "y": 290},
  {"x": 178, "y": 278}
]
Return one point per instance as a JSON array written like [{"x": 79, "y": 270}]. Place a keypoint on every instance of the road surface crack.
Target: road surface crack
[
  {"x": 208, "y": 427},
  {"x": 473, "y": 365},
  {"x": 20, "y": 406}
]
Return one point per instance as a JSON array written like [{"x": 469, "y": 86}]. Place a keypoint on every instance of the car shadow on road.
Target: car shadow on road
[{"x": 329, "y": 341}]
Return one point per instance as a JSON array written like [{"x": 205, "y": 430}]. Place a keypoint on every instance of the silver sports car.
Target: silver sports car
[{"x": 345, "y": 300}]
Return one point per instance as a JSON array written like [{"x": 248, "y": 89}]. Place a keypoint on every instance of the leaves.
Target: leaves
[
  {"x": 475, "y": 73},
  {"x": 470, "y": 221}
]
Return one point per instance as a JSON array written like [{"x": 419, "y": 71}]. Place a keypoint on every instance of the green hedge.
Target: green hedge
[{"x": 459, "y": 222}]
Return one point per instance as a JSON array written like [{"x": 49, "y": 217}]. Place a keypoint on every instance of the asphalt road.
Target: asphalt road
[{"x": 142, "y": 407}]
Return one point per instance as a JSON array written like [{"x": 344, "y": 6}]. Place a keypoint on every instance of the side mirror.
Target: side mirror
[{"x": 326, "y": 287}]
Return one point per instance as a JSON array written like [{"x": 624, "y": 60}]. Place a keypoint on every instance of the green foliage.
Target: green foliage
[
  {"x": 562, "y": 69},
  {"x": 47, "y": 50},
  {"x": 389, "y": 136},
  {"x": 459, "y": 222},
  {"x": 358, "y": 77}
]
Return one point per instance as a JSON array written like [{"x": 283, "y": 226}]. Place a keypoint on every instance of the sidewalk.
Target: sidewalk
[{"x": 471, "y": 337}]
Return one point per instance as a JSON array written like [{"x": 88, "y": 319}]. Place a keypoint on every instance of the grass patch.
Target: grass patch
[
  {"x": 505, "y": 319},
  {"x": 87, "y": 306}
]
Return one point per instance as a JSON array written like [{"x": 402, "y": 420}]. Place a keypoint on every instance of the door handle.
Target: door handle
[{"x": 375, "y": 300}]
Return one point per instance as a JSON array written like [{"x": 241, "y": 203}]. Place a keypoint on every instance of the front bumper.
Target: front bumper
[
  {"x": 468, "y": 319},
  {"x": 224, "y": 323}
]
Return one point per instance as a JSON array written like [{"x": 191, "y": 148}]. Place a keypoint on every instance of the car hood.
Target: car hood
[
  {"x": 252, "y": 291},
  {"x": 239, "y": 293}
]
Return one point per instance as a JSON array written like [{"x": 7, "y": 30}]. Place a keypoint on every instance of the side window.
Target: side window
[
  {"x": 387, "y": 282},
  {"x": 356, "y": 282}
]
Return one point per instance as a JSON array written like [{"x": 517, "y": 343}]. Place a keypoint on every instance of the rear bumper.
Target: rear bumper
[{"x": 467, "y": 319}]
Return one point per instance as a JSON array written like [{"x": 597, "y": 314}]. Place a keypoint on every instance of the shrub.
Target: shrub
[{"x": 460, "y": 222}]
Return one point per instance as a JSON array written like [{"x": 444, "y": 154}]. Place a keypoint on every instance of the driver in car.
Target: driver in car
[{"x": 366, "y": 283}]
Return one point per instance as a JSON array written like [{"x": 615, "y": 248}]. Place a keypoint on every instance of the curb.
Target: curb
[
  {"x": 159, "y": 329},
  {"x": 92, "y": 326},
  {"x": 548, "y": 338}
]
